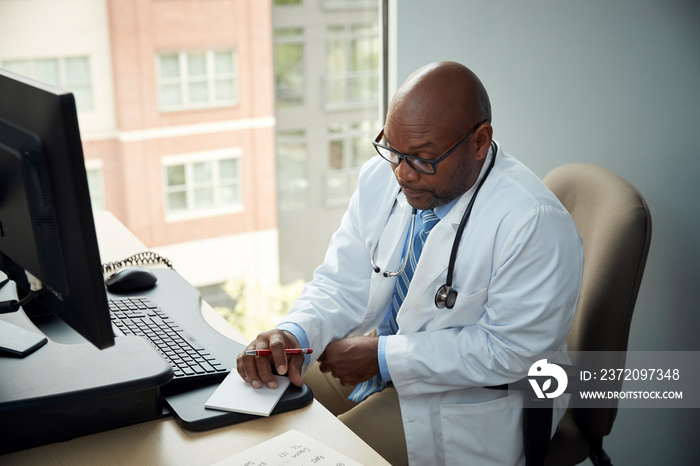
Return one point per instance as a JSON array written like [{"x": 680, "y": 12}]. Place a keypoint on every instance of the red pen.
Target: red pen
[{"x": 267, "y": 352}]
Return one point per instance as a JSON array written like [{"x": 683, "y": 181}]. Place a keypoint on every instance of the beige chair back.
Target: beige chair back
[{"x": 615, "y": 225}]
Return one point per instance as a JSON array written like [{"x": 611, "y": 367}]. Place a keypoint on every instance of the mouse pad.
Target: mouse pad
[{"x": 191, "y": 414}]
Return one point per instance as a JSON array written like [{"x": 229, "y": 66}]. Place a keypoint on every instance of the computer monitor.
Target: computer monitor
[{"x": 46, "y": 219}]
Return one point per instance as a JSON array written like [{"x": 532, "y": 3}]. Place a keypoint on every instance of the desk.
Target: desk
[{"x": 163, "y": 442}]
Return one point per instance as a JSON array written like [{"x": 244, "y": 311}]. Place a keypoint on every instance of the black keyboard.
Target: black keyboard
[{"x": 189, "y": 359}]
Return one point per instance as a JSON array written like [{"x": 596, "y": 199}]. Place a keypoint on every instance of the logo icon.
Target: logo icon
[{"x": 541, "y": 369}]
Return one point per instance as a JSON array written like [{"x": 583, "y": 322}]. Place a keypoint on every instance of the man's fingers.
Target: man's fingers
[
  {"x": 295, "y": 364},
  {"x": 278, "y": 345},
  {"x": 248, "y": 370}
]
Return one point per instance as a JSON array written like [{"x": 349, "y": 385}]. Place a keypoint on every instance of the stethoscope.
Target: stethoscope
[{"x": 446, "y": 295}]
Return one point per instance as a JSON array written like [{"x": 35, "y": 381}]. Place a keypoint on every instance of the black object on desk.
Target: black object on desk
[{"x": 63, "y": 391}]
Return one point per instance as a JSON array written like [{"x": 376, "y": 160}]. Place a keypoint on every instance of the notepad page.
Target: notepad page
[
  {"x": 234, "y": 394},
  {"x": 292, "y": 448}
]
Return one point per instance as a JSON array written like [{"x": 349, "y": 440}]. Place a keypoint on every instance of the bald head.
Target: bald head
[
  {"x": 442, "y": 93},
  {"x": 440, "y": 114}
]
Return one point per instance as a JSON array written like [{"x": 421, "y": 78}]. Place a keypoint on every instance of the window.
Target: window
[
  {"x": 348, "y": 149},
  {"x": 292, "y": 170},
  {"x": 352, "y": 65},
  {"x": 189, "y": 80},
  {"x": 346, "y": 4},
  {"x": 202, "y": 184},
  {"x": 70, "y": 73},
  {"x": 289, "y": 68},
  {"x": 95, "y": 180}
]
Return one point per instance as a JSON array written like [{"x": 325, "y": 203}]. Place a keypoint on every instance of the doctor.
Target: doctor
[{"x": 416, "y": 389}]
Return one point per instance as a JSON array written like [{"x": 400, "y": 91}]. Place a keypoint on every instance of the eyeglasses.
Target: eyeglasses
[{"x": 419, "y": 164}]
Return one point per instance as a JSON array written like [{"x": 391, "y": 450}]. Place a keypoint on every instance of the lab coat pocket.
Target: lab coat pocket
[
  {"x": 468, "y": 309},
  {"x": 486, "y": 433}
]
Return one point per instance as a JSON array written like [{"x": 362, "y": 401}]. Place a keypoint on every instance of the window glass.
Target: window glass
[
  {"x": 289, "y": 68},
  {"x": 169, "y": 66},
  {"x": 177, "y": 201},
  {"x": 17, "y": 66},
  {"x": 228, "y": 169},
  {"x": 77, "y": 70},
  {"x": 352, "y": 64},
  {"x": 176, "y": 175},
  {"x": 196, "y": 64},
  {"x": 223, "y": 62},
  {"x": 46, "y": 71},
  {"x": 292, "y": 170}
]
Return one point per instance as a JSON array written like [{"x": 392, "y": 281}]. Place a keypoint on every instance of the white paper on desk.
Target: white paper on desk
[
  {"x": 234, "y": 394},
  {"x": 292, "y": 448}
]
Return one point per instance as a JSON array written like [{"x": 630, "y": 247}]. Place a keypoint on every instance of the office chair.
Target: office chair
[{"x": 615, "y": 225}]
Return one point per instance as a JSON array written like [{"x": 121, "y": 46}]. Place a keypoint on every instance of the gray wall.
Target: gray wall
[{"x": 613, "y": 83}]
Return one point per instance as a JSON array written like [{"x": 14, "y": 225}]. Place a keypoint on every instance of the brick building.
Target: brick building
[
  {"x": 176, "y": 107},
  {"x": 226, "y": 134}
]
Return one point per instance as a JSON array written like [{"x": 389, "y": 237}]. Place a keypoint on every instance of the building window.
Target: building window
[
  {"x": 348, "y": 4},
  {"x": 289, "y": 68},
  {"x": 188, "y": 80},
  {"x": 348, "y": 149},
  {"x": 352, "y": 66},
  {"x": 69, "y": 73},
  {"x": 202, "y": 184},
  {"x": 95, "y": 178},
  {"x": 292, "y": 170}
]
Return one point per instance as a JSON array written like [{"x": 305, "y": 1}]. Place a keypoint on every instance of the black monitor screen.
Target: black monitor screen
[{"x": 46, "y": 221}]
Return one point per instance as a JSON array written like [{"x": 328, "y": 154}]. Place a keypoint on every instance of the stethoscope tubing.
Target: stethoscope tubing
[
  {"x": 386, "y": 274},
  {"x": 465, "y": 219}
]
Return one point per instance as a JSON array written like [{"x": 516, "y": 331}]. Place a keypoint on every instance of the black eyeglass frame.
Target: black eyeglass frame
[{"x": 410, "y": 158}]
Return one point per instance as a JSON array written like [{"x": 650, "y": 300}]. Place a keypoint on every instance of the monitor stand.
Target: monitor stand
[{"x": 16, "y": 341}]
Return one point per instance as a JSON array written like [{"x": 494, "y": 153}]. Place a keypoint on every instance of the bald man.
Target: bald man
[{"x": 402, "y": 361}]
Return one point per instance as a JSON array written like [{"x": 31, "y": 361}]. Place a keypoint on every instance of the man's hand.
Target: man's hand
[
  {"x": 257, "y": 370},
  {"x": 351, "y": 360}
]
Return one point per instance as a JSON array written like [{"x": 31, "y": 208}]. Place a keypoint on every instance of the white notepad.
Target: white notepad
[{"x": 234, "y": 394}]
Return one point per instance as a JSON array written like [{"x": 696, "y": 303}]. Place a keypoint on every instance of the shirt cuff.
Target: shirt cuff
[
  {"x": 299, "y": 334},
  {"x": 381, "y": 356}
]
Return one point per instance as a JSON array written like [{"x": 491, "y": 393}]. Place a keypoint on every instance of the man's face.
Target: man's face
[{"x": 455, "y": 175}]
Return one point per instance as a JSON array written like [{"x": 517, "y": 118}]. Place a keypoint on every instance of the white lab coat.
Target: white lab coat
[{"x": 518, "y": 274}]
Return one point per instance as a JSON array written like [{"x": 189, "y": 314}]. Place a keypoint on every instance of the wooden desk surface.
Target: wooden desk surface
[{"x": 163, "y": 442}]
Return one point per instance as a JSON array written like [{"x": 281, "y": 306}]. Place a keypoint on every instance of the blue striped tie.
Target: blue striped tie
[{"x": 376, "y": 383}]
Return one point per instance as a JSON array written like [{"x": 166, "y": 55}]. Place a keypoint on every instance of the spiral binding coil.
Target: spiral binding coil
[{"x": 141, "y": 258}]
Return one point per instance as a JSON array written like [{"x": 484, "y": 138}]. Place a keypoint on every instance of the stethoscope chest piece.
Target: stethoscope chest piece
[{"x": 445, "y": 297}]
